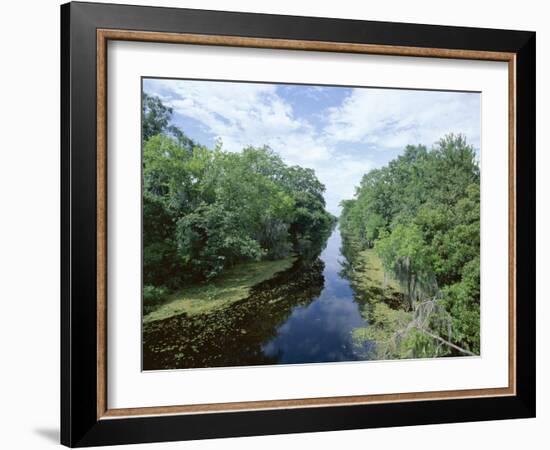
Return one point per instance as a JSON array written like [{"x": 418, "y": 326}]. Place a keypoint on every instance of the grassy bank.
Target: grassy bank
[
  {"x": 382, "y": 303},
  {"x": 234, "y": 285},
  {"x": 370, "y": 279}
]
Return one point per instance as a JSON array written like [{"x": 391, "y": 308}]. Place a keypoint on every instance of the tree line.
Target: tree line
[
  {"x": 207, "y": 209},
  {"x": 421, "y": 214}
]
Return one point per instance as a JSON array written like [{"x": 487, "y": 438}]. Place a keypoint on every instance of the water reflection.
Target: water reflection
[
  {"x": 303, "y": 315},
  {"x": 321, "y": 331},
  {"x": 232, "y": 336}
]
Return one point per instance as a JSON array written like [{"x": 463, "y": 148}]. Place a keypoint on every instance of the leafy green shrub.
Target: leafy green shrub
[{"x": 152, "y": 297}]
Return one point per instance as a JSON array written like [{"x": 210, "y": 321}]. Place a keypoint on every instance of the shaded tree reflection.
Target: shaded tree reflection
[{"x": 232, "y": 336}]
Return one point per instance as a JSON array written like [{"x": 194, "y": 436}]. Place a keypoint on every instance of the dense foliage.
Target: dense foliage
[
  {"x": 205, "y": 210},
  {"x": 420, "y": 213}
]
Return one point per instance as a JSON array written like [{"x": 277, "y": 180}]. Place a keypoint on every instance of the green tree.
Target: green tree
[
  {"x": 155, "y": 116},
  {"x": 421, "y": 214},
  {"x": 207, "y": 209},
  {"x": 157, "y": 119}
]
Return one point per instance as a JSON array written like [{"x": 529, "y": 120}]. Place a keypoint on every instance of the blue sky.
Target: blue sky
[{"x": 339, "y": 132}]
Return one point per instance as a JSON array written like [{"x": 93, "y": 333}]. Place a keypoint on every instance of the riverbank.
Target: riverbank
[
  {"x": 339, "y": 307},
  {"x": 233, "y": 335},
  {"x": 382, "y": 303},
  {"x": 234, "y": 285},
  {"x": 371, "y": 281}
]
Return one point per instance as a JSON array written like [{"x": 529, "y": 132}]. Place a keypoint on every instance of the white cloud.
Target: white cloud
[
  {"x": 240, "y": 114},
  {"x": 332, "y": 141},
  {"x": 393, "y": 118},
  {"x": 341, "y": 177},
  {"x": 254, "y": 114}
]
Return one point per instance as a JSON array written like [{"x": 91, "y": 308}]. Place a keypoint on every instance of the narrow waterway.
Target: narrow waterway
[
  {"x": 321, "y": 330},
  {"x": 305, "y": 314}
]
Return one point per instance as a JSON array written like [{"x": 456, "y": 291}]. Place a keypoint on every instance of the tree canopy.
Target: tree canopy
[
  {"x": 207, "y": 209},
  {"x": 421, "y": 215}
]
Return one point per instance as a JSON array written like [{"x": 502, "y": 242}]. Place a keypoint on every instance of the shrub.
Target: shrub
[{"x": 153, "y": 296}]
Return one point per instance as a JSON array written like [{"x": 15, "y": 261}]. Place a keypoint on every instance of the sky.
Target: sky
[{"x": 340, "y": 132}]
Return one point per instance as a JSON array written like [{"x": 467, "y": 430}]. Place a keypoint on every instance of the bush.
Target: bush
[{"x": 153, "y": 296}]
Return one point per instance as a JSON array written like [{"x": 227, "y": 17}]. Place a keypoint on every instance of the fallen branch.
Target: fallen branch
[{"x": 450, "y": 344}]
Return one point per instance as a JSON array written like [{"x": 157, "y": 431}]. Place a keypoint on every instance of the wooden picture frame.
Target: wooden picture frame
[{"x": 86, "y": 418}]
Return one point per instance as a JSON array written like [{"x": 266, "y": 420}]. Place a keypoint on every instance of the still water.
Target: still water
[
  {"x": 321, "y": 330},
  {"x": 303, "y": 315}
]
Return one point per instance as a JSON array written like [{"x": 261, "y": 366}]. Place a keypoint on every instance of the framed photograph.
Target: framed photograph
[{"x": 277, "y": 224}]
